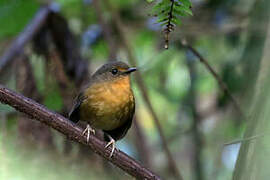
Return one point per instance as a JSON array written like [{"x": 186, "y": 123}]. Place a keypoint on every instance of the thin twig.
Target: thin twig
[
  {"x": 17, "y": 46},
  {"x": 243, "y": 140},
  {"x": 139, "y": 80},
  {"x": 222, "y": 85},
  {"x": 73, "y": 132}
]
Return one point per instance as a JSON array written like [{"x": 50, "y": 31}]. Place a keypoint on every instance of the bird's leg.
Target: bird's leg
[
  {"x": 112, "y": 142},
  {"x": 87, "y": 130}
]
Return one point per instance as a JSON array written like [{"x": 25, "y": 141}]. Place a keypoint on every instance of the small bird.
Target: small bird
[{"x": 107, "y": 102}]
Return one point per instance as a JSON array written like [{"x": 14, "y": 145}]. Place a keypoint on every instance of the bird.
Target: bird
[{"x": 107, "y": 103}]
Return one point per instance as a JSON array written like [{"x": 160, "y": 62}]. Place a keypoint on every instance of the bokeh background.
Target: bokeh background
[{"x": 200, "y": 123}]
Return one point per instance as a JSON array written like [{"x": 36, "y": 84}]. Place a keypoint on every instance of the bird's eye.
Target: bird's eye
[{"x": 114, "y": 71}]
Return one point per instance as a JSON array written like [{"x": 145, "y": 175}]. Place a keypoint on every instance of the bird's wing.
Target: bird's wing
[{"x": 74, "y": 114}]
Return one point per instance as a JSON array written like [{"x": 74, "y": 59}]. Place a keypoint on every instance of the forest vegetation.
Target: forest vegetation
[{"x": 201, "y": 88}]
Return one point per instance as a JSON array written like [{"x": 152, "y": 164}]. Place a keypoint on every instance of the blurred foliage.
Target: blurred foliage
[
  {"x": 14, "y": 15},
  {"x": 41, "y": 164}
]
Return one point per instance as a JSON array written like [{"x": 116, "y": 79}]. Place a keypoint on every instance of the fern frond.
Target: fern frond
[{"x": 169, "y": 13}]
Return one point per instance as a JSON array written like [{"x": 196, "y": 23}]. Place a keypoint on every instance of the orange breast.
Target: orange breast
[{"x": 107, "y": 104}]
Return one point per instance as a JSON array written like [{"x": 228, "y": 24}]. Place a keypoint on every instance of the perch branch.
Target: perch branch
[{"x": 73, "y": 132}]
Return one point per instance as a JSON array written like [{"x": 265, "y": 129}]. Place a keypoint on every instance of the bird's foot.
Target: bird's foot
[
  {"x": 88, "y": 130},
  {"x": 112, "y": 142}
]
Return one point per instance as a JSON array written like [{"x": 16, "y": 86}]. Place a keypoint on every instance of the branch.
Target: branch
[
  {"x": 221, "y": 84},
  {"x": 73, "y": 132},
  {"x": 17, "y": 46},
  {"x": 172, "y": 166}
]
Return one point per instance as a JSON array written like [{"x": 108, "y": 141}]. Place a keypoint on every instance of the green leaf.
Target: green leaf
[
  {"x": 180, "y": 13},
  {"x": 165, "y": 10},
  {"x": 176, "y": 21},
  {"x": 160, "y": 6},
  {"x": 183, "y": 10},
  {"x": 186, "y": 3},
  {"x": 162, "y": 19}
]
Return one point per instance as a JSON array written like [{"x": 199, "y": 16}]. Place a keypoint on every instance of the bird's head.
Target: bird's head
[{"x": 113, "y": 71}]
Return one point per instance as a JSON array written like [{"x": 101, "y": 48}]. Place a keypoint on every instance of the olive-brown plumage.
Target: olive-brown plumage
[{"x": 107, "y": 103}]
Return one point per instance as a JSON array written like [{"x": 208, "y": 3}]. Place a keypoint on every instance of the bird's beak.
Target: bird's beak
[{"x": 130, "y": 70}]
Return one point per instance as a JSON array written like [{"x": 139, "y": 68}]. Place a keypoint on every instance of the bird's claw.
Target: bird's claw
[
  {"x": 88, "y": 130},
  {"x": 112, "y": 142}
]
